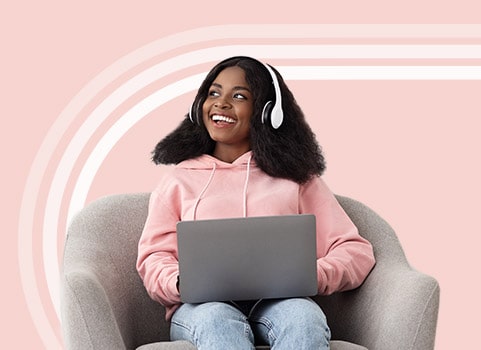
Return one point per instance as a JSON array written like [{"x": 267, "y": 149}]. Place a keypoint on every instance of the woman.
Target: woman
[{"x": 236, "y": 154}]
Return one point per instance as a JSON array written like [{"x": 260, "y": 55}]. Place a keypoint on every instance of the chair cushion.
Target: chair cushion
[
  {"x": 335, "y": 345},
  {"x": 344, "y": 345},
  {"x": 184, "y": 345},
  {"x": 168, "y": 345}
]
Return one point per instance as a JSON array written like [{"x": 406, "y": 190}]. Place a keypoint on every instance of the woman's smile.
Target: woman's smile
[{"x": 221, "y": 120}]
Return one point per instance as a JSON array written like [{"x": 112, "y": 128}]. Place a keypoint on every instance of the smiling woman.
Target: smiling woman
[
  {"x": 276, "y": 143},
  {"x": 231, "y": 159}
]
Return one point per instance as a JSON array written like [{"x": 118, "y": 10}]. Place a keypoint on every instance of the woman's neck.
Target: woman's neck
[{"x": 229, "y": 154}]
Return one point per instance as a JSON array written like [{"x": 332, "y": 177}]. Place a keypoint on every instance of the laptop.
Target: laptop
[{"x": 250, "y": 258}]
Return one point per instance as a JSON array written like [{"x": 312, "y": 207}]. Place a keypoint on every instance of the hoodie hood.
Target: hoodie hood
[{"x": 208, "y": 162}]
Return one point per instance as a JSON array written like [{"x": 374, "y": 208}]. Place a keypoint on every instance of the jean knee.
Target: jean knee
[
  {"x": 293, "y": 320},
  {"x": 206, "y": 314},
  {"x": 209, "y": 323},
  {"x": 306, "y": 314}
]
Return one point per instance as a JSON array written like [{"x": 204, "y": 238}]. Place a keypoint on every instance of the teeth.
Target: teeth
[{"x": 219, "y": 118}]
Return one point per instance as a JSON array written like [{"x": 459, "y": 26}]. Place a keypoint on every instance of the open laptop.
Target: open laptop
[{"x": 247, "y": 258}]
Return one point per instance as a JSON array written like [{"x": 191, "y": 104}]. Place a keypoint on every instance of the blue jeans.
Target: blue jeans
[{"x": 284, "y": 324}]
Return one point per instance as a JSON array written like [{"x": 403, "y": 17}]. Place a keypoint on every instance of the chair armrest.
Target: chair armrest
[
  {"x": 404, "y": 310},
  {"x": 88, "y": 322},
  {"x": 395, "y": 308}
]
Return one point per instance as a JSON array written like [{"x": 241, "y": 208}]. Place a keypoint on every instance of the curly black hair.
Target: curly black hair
[{"x": 290, "y": 152}]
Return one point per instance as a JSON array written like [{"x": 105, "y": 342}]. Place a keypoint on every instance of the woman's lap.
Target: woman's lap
[{"x": 282, "y": 323}]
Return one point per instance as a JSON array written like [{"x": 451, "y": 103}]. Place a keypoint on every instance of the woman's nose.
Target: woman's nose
[{"x": 221, "y": 102}]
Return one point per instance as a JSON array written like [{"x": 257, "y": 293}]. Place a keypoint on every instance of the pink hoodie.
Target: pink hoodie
[{"x": 206, "y": 188}]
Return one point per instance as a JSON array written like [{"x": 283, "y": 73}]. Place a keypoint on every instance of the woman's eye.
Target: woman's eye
[
  {"x": 236, "y": 96},
  {"x": 239, "y": 96}
]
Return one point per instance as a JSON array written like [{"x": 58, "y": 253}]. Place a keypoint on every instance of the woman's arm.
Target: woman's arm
[
  {"x": 344, "y": 257},
  {"x": 157, "y": 261}
]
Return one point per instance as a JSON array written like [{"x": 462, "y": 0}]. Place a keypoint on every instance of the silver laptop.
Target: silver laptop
[{"x": 247, "y": 258}]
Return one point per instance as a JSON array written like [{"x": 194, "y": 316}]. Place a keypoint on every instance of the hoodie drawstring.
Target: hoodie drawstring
[
  {"x": 244, "y": 196},
  {"x": 214, "y": 167},
  {"x": 245, "y": 186}
]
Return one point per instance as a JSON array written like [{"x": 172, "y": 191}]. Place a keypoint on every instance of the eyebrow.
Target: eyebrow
[{"x": 236, "y": 88}]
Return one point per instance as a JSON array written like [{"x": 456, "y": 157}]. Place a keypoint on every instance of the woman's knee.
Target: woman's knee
[
  {"x": 292, "y": 320},
  {"x": 303, "y": 313},
  {"x": 206, "y": 314},
  {"x": 210, "y": 323}
]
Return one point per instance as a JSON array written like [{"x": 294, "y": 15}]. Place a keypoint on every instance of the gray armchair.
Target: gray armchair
[{"x": 105, "y": 306}]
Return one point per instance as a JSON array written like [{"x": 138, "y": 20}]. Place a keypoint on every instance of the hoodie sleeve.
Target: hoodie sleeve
[
  {"x": 157, "y": 260},
  {"x": 344, "y": 257}
]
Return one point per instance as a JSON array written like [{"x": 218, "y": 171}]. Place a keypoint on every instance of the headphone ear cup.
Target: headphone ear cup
[
  {"x": 191, "y": 113},
  {"x": 273, "y": 112},
  {"x": 266, "y": 112}
]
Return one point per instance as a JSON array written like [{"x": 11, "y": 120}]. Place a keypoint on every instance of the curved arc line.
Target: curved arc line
[{"x": 41, "y": 160}]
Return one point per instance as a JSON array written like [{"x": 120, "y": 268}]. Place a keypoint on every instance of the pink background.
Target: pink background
[{"x": 408, "y": 148}]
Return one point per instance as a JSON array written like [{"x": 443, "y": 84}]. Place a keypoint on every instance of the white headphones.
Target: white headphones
[
  {"x": 272, "y": 111},
  {"x": 275, "y": 112}
]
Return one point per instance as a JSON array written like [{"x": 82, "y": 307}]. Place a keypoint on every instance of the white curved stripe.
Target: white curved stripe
[
  {"x": 168, "y": 93},
  {"x": 136, "y": 113},
  {"x": 380, "y": 72},
  {"x": 36, "y": 174},
  {"x": 120, "y": 128},
  {"x": 160, "y": 70},
  {"x": 201, "y": 56}
]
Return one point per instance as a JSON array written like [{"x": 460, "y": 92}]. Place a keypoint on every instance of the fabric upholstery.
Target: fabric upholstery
[{"x": 105, "y": 306}]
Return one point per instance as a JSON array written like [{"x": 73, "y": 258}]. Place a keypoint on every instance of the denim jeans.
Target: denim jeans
[{"x": 284, "y": 324}]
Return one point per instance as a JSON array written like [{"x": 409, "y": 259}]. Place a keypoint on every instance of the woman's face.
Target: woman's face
[{"x": 228, "y": 109}]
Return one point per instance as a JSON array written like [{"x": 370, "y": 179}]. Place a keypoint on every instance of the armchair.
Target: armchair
[{"x": 105, "y": 306}]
